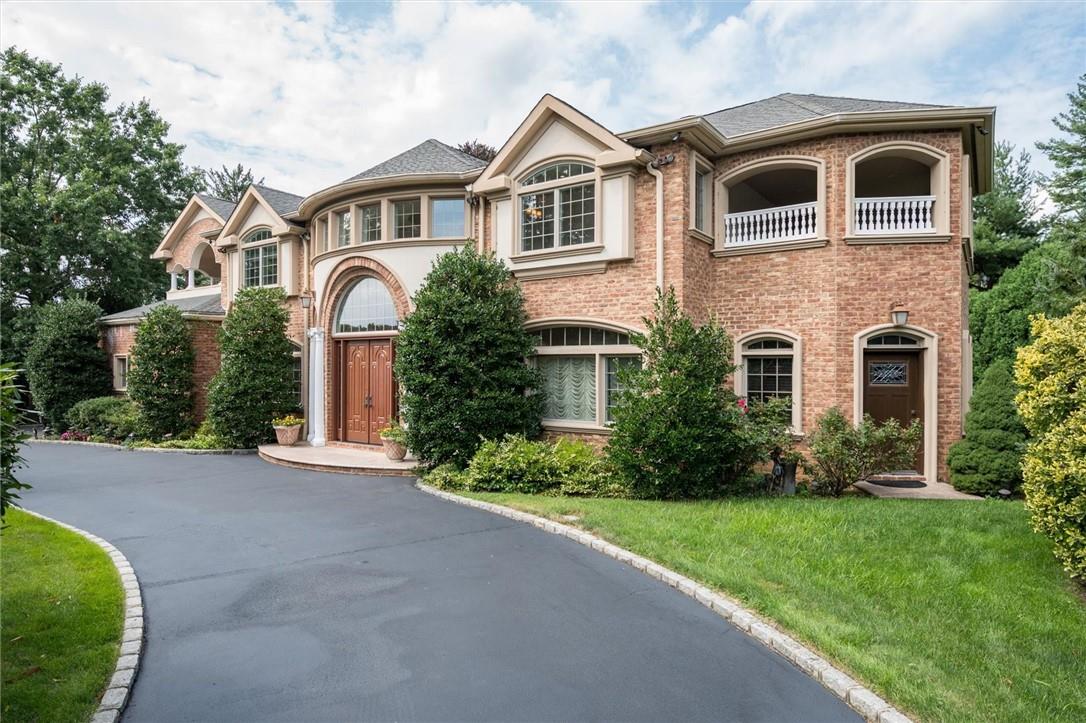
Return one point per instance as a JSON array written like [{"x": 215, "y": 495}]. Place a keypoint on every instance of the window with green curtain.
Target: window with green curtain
[{"x": 569, "y": 387}]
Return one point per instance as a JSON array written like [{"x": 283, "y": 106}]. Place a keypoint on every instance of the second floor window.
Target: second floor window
[
  {"x": 446, "y": 217},
  {"x": 703, "y": 180},
  {"x": 560, "y": 209},
  {"x": 343, "y": 228},
  {"x": 407, "y": 218},
  {"x": 261, "y": 263},
  {"x": 370, "y": 218}
]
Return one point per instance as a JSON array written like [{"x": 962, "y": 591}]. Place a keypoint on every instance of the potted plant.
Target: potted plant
[
  {"x": 287, "y": 429},
  {"x": 789, "y": 460},
  {"x": 395, "y": 442}
]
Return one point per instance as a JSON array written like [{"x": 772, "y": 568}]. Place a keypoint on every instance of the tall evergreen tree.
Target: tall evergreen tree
[
  {"x": 990, "y": 457},
  {"x": 1067, "y": 184},
  {"x": 228, "y": 183},
  {"x": 1005, "y": 226},
  {"x": 86, "y": 191},
  {"x": 160, "y": 380}
]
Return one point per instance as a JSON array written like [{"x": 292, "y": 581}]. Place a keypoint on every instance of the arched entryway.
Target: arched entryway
[
  {"x": 896, "y": 376},
  {"x": 363, "y": 331}
]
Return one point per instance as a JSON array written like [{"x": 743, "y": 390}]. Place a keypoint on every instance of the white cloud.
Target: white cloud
[{"x": 308, "y": 94}]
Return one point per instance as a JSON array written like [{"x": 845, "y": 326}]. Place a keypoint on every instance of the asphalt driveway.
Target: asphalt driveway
[{"x": 276, "y": 594}]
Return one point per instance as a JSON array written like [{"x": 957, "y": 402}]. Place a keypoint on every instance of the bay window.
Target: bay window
[
  {"x": 558, "y": 206},
  {"x": 407, "y": 218},
  {"x": 580, "y": 369}
]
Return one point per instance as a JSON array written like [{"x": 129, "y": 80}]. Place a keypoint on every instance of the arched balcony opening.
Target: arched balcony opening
[
  {"x": 896, "y": 190},
  {"x": 206, "y": 270},
  {"x": 771, "y": 202}
]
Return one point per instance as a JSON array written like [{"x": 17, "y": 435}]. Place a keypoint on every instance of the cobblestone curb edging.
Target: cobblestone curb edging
[
  {"x": 120, "y": 684},
  {"x": 861, "y": 699},
  {"x": 161, "y": 450}
]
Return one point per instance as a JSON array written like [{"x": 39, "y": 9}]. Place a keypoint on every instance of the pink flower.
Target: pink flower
[{"x": 743, "y": 404}]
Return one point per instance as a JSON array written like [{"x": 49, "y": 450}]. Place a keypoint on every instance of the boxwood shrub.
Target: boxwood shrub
[{"x": 112, "y": 418}]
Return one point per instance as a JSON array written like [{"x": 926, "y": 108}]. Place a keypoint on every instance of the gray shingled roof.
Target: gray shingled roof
[
  {"x": 430, "y": 156},
  {"x": 794, "y": 107},
  {"x": 210, "y": 304},
  {"x": 219, "y": 205},
  {"x": 285, "y": 204}
]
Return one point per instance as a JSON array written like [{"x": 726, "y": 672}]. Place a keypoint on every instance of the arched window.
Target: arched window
[
  {"x": 579, "y": 366},
  {"x": 560, "y": 208},
  {"x": 893, "y": 340},
  {"x": 260, "y": 258},
  {"x": 368, "y": 306},
  {"x": 770, "y": 368}
]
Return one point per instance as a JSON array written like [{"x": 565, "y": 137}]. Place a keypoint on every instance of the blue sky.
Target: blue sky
[{"x": 310, "y": 93}]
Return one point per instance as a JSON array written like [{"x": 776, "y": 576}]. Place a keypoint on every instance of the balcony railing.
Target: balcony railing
[
  {"x": 896, "y": 214},
  {"x": 780, "y": 223}
]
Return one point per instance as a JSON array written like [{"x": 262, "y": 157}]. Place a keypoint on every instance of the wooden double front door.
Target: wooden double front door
[
  {"x": 894, "y": 389},
  {"x": 366, "y": 398}
]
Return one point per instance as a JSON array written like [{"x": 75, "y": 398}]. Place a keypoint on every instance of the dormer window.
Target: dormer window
[
  {"x": 261, "y": 258},
  {"x": 559, "y": 208}
]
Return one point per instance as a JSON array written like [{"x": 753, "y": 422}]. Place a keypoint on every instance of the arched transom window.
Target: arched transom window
[
  {"x": 893, "y": 340},
  {"x": 559, "y": 206},
  {"x": 580, "y": 369},
  {"x": 260, "y": 258},
  {"x": 770, "y": 369},
  {"x": 368, "y": 306}
]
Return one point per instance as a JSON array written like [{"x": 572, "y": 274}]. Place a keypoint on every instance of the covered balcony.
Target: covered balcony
[
  {"x": 778, "y": 204},
  {"x": 895, "y": 193}
]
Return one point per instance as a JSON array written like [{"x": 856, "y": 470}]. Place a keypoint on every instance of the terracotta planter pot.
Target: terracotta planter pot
[
  {"x": 288, "y": 436},
  {"x": 394, "y": 450}
]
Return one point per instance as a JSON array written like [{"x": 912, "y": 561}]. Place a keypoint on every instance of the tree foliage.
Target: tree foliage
[
  {"x": 678, "y": 427},
  {"x": 11, "y": 438},
  {"x": 461, "y": 358},
  {"x": 228, "y": 183},
  {"x": 87, "y": 192},
  {"x": 1051, "y": 377},
  {"x": 990, "y": 457},
  {"x": 1005, "y": 227},
  {"x": 478, "y": 149},
  {"x": 160, "y": 379},
  {"x": 65, "y": 364},
  {"x": 843, "y": 453},
  {"x": 255, "y": 383},
  {"x": 1067, "y": 185}
]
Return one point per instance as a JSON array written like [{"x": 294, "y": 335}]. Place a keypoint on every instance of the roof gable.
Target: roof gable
[
  {"x": 200, "y": 205},
  {"x": 272, "y": 207},
  {"x": 611, "y": 150}
]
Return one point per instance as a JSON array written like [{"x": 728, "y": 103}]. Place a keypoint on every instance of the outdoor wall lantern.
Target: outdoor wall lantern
[
  {"x": 307, "y": 301},
  {"x": 899, "y": 315}
]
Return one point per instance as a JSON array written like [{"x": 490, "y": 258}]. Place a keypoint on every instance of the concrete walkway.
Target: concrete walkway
[
  {"x": 928, "y": 491},
  {"x": 347, "y": 460},
  {"x": 273, "y": 594}
]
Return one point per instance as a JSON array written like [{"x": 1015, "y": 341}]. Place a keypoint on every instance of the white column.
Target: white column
[
  {"x": 192, "y": 279},
  {"x": 173, "y": 281},
  {"x": 316, "y": 387}
]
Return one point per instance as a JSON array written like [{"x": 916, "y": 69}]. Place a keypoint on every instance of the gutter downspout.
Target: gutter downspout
[{"x": 659, "y": 223}]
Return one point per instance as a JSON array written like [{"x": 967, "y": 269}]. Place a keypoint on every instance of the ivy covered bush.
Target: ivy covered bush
[
  {"x": 255, "y": 381},
  {"x": 160, "y": 378},
  {"x": 843, "y": 453},
  {"x": 108, "y": 418},
  {"x": 460, "y": 359},
  {"x": 1051, "y": 377},
  {"x": 678, "y": 427},
  {"x": 517, "y": 464},
  {"x": 65, "y": 364},
  {"x": 990, "y": 457}
]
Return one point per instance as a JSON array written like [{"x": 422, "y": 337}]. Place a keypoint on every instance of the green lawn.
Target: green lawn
[
  {"x": 953, "y": 611},
  {"x": 60, "y": 622}
]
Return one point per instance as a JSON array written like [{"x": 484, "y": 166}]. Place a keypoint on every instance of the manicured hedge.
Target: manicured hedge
[
  {"x": 112, "y": 418},
  {"x": 160, "y": 379},
  {"x": 65, "y": 363},
  {"x": 990, "y": 457}
]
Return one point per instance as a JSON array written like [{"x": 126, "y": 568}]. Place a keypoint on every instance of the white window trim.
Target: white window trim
[
  {"x": 753, "y": 168},
  {"x": 699, "y": 163},
  {"x": 116, "y": 375},
  {"x": 940, "y": 189},
  {"x": 584, "y": 179},
  {"x": 740, "y": 376}
]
